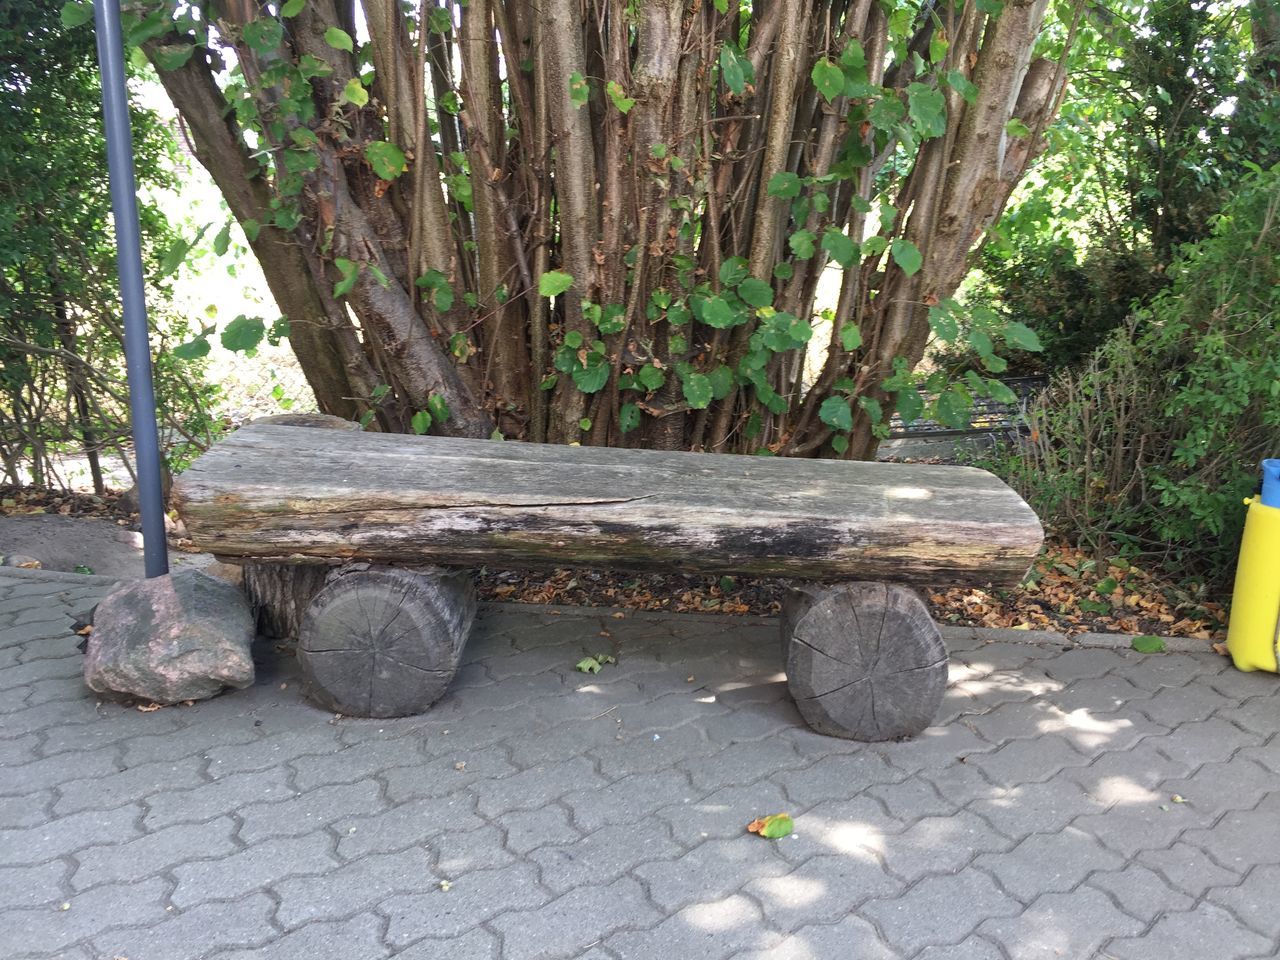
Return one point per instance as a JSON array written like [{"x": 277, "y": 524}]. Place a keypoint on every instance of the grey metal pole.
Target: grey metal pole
[{"x": 137, "y": 350}]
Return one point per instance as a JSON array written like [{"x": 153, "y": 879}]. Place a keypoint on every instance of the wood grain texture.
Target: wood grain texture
[
  {"x": 864, "y": 661},
  {"x": 385, "y": 642},
  {"x": 280, "y": 593},
  {"x": 297, "y": 495}
]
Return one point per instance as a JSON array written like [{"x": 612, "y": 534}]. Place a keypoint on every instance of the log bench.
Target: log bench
[{"x": 358, "y": 543}]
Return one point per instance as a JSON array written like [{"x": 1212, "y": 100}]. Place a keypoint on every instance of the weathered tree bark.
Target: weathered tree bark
[
  {"x": 285, "y": 493},
  {"x": 385, "y": 642},
  {"x": 279, "y": 594},
  {"x": 864, "y": 660}
]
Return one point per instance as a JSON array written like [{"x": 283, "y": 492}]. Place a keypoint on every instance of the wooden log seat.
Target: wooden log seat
[{"x": 863, "y": 656}]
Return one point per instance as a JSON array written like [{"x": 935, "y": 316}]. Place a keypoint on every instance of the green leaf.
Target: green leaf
[
  {"x": 850, "y": 336},
  {"x": 697, "y": 390},
  {"x": 910, "y": 404},
  {"x": 906, "y": 255},
  {"x": 837, "y": 243},
  {"x": 573, "y": 339},
  {"x": 619, "y": 97},
  {"x": 835, "y": 412},
  {"x": 1020, "y": 335},
  {"x": 785, "y": 185},
  {"x": 222, "y": 240},
  {"x": 721, "y": 382},
  {"x": 613, "y": 319},
  {"x": 734, "y": 69},
  {"x": 350, "y": 271},
  {"x": 192, "y": 349},
  {"x": 172, "y": 56},
  {"x": 840, "y": 442},
  {"x": 1107, "y": 587},
  {"x": 584, "y": 425},
  {"x": 587, "y": 665},
  {"x": 339, "y": 39},
  {"x": 756, "y": 292},
  {"x": 263, "y": 34},
  {"x": 801, "y": 243},
  {"x": 938, "y": 45},
  {"x": 292, "y": 8},
  {"x": 722, "y": 6},
  {"x": 874, "y": 246},
  {"x": 579, "y": 90},
  {"x": 438, "y": 407},
  {"x": 777, "y": 826},
  {"x": 717, "y": 313},
  {"x": 961, "y": 84},
  {"x": 420, "y": 422},
  {"x": 872, "y": 407},
  {"x": 1148, "y": 644},
  {"x": 592, "y": 377},
  {"x": 928, "y": 109},
  {"x": 243, "y": 333},
  {"x": 953, "y": 408},
  {"x": 75, "y": 14},
  {"x": 628, "y": 417},
  {"x": 944, "y": 322},
  {"x": 553, "y": 283},
  {"x": 993, "y": 7},
  {"x": 440, "y": 20},
  {"x": 733, "y": 271},
  {"x": 650, "y": 377},
  {"x": 1017, "y": 129},
  {"x": 887, "y": 112},
  {"x": 81, "y": 568},
  {"x": 1094, "y": 606},
  {"x": 828, "y": 78},
  {"x": 387, "y": 160},
  {"x": 354, "y": 92},
  {"x": 174, "y": 256}
]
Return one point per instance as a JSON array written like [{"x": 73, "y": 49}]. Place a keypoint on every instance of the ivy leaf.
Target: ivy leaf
[
  {"x": 192, "y": 349},
  {"x": 172, "y": 56},
  {"x": 837, "y": 243},
  {"x": 263, "y": 34},
  {"x": 697, "y": 390},
  {"x": 292, "y": 8},
  {"x": 579, "y": 90},
  {"x": 339, "y": 39},
  {"x": 928, "y": 109},
  {"x": 1148, "y": 644},
  {"x": 420, "y": 422},
  {"x": 785, "y": 185},
  {"x": 828, "y": 78},
  {"x": 717, "y": 313},
  {"x": 387, "y": 160},
  {"x": 756, "y": 292},
  {"x": 619, "y": 97},
  {"x": 243, "y": 333},
  {"x": 628, "y": 417},
  {"x": 75, "y": 14},
  {"x": 354, "y": 92},
  {"x": 835, "y": 412},
  {"x": 906, "y": 255},
  {"x": 553, "y": 283},
  {"x": 1020, "y": 335}
]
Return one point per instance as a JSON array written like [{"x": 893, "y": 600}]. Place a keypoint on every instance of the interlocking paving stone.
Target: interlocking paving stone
[
  {"x": 1204, "y": 931},
  {"x": 940, "y": 910},
  {"x": 1060, "y": 925},
  {"x": 1026, "y": 822}
]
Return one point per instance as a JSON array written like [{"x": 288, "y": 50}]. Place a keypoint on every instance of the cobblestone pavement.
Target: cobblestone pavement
[{"x": 1069, "y": 803}]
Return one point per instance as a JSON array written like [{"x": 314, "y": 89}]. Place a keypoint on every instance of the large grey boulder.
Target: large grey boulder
[{"x": 184, "y": 636}]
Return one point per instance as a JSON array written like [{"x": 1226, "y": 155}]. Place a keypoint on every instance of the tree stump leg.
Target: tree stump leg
[
  {"x": 280, "y": 594},
  {"x": 384, "y": 641},
  {"x": 864, "y": 661}
]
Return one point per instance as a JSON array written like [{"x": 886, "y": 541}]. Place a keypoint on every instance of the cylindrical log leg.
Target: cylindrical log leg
[
  {"x": 385, "y": 642},
  {"x": 864, "y": 661}
]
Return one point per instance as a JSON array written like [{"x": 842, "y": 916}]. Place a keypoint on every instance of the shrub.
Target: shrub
[{"x": 1151, "y": 446}]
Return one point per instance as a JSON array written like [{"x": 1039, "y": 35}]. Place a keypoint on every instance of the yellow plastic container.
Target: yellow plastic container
[{"x": 1253, "y": 635}]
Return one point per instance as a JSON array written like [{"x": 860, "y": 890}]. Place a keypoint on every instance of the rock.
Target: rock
[
  {"x": 184, "y": 636},
  {"x": 233, "y": 573},
  {"x": 20, "y": 560}
]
